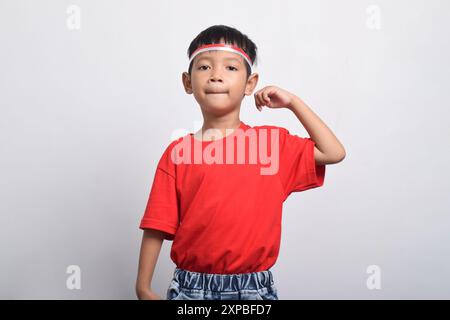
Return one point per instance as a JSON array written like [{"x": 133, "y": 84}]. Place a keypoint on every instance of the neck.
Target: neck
[{"x": 229, "y": 121}]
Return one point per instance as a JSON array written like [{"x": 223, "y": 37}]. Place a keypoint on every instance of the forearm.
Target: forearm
[
  {"x": 324, "y": 138},
  {"x": 150, "y": 248}
]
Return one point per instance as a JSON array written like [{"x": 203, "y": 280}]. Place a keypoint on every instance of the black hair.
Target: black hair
[{"x": 230, "y": 35}]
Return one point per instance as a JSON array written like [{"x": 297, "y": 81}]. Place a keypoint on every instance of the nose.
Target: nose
[{"x": 215, "y": 77}]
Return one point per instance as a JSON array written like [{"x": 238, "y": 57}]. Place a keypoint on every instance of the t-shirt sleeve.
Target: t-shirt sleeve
[
  {"x": 298, "y": 168},
  {"x": 161, "y": 212}
]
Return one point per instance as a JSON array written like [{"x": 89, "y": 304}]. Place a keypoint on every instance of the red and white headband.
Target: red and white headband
[{"x": 224, "y": 47}]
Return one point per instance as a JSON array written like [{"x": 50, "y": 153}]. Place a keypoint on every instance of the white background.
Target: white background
[{"x": 86, "y": 114}]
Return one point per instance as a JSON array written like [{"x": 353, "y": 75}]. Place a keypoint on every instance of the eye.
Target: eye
[
  {"x": 200, "y": 68},
  {"x": 233, "y": 68}
]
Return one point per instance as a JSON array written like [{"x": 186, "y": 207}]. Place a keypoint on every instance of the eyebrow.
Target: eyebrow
[{"x": 228, "y": 58}]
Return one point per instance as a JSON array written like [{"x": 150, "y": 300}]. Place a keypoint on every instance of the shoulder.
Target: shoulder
[
  {"x": 287, "y": 140},
  {"x": 282, "y": 132},
  {"x": 269, "y": 127},
  {"x": 176, "y": 142},
  {"x": 167, "y": 160}
]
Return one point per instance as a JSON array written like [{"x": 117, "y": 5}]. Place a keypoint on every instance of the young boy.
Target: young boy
[{"x": 218, "y": 193}]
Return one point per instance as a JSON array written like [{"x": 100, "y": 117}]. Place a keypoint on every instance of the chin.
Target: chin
[{"x": 217, "y": 107}]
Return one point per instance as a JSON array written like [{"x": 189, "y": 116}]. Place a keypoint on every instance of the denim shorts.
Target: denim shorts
[{"x": 189, "y": 285}]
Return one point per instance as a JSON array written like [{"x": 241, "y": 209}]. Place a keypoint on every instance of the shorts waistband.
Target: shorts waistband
[{"x": 223, "y": 282}]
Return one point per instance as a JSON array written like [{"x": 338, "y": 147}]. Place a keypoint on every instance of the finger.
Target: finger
[
  {"x": 259, "y": 105},
  {"x": 262, "y": 99},
  {"x": 262, "y": 103},
  {"x": 265, "y": 95},
  {"x": 257, "y": 102},
  {"x": 259, "y": 99}
]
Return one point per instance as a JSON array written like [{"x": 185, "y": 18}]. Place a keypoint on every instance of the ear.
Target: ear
[
  {"x": 186, "y": 78},
  {"x": 251, "y": 84}
]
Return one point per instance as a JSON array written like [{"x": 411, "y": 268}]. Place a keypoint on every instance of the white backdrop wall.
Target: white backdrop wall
[{"x": 91, "y": 95}]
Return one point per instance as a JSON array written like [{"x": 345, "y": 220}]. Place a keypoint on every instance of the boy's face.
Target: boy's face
[{"x": 218, "y": 81}]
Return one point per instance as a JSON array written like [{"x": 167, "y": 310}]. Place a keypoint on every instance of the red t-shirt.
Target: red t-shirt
[{"x": 224, "y": 215}]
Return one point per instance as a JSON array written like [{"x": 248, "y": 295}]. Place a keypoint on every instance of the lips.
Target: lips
[{"x": 216, "y": 92}]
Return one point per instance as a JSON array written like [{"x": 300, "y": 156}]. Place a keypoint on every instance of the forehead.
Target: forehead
[{"x": 219, "y": 55}]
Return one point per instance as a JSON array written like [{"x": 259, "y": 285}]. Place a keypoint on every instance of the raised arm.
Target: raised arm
[{"x": 328, "y": 149}]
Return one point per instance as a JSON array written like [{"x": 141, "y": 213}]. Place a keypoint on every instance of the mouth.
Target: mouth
[{"x": 216, "y": 92}]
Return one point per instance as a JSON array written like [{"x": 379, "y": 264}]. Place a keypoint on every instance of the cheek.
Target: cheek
[
  {"x": 239, "y": 82},
  {"x": 194, "y": 79},
  {"x": 239, "y": 89}
]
